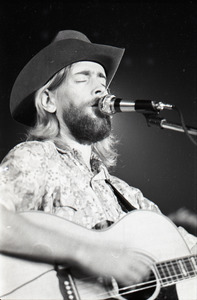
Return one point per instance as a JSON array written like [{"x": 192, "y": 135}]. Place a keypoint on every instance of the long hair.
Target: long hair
[{"x": 47, "y": 125}]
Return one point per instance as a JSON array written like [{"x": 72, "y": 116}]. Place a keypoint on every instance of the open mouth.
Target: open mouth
[{"x": 96, "y": 102}]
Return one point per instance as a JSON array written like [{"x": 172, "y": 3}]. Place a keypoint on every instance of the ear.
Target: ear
[{"x": 48, "y": 101}]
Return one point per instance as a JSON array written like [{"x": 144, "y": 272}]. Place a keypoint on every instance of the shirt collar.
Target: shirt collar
[{"x": 97, "y": 165}]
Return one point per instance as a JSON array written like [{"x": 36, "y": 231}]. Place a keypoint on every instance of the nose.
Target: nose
[{"x": 99, "y": 90}]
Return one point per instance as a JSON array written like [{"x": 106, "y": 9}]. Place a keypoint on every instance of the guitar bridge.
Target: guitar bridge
[{"x": 66, "y": 283}]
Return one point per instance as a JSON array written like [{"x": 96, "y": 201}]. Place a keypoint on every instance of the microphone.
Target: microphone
[{"x": 110, "y": 105}]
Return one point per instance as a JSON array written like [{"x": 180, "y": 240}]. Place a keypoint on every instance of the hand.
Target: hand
[{"x": 125, "y": 265}]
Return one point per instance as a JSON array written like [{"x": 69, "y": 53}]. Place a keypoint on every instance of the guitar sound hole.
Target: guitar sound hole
[{"x": 141, "y": 291}]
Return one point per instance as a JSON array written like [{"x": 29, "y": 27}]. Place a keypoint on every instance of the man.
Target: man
[{"x": 63, "y": 167}]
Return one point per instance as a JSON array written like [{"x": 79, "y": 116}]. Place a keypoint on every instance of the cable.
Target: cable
[{"x": 184, "y": 125}]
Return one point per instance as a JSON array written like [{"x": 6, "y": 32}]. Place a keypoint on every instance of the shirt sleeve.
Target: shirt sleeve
[{"x": 22, "y": 177}]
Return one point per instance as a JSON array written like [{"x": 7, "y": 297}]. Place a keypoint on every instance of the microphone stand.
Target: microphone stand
[{"x": 154, "y": 119}]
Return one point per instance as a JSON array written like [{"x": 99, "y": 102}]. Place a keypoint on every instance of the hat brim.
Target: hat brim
[{"x": 48, "y": 62}]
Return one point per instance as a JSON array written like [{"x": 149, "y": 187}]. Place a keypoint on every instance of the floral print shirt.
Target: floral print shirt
[{"x": 39, "y": 176}]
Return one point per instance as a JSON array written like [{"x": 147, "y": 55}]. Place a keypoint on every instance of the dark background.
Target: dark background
[{"x": 159, "y": 64}]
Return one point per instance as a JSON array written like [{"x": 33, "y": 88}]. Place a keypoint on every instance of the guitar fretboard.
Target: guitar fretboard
[{"x": 172, "y": 271}]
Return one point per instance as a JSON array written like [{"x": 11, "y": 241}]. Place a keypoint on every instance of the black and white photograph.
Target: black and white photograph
[{"x": 98, "y": 150}]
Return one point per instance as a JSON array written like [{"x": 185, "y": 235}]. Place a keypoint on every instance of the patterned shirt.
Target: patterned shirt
[{"x": 39, "y": 176}]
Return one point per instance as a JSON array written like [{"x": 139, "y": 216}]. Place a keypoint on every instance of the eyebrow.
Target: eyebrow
[{"x": 100, "y": 74}]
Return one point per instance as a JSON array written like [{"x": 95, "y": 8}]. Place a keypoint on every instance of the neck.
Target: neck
[{"x": 84, "y": 149}]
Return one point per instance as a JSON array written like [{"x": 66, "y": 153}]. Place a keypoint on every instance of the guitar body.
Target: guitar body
[{"x": 146, "y": 232}]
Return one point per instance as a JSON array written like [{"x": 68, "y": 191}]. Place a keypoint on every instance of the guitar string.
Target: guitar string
[
  {"x": 159, "y": 268},
  {"x": 143, "y": 286},
  {"x": 103, "y": 295},
  {"x": 174, "y": 277},
  {"x": 163, "y": 266},
  {"x": 137, "y": 288},
  {"x": 175, "y": 280},
  {"x": 186, "y": 259},
  {"x": 167, "y": 263},
  {"x": 177, "y": 276},
  {"x": 148, "y": 282},
  {"x": 176, "y": 264},
  {"x": 176, "y": 267}
]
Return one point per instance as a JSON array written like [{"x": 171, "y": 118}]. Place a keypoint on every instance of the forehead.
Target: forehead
[{"x": 87, "y": 66}]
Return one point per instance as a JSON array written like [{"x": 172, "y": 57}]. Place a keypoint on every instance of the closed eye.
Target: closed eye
[{"x": 102, "y": 76}]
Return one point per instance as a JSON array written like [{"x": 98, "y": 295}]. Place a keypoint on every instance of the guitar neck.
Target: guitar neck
[{"x": 172, "y": 271}]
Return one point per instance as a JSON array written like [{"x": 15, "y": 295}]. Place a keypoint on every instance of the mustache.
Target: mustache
[{"x": 95, "y": 101}]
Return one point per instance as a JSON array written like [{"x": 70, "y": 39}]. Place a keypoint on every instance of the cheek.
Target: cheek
[{"x": 73, "y": 96}]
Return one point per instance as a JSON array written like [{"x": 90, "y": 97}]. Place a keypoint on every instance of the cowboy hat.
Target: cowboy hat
[{"x": 68, "y": 47}]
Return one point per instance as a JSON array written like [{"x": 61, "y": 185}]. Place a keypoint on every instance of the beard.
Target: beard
[{"x": 85, "y": 128}]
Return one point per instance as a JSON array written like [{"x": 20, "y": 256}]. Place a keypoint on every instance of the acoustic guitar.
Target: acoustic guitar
[{"x": 149, "y": 233}]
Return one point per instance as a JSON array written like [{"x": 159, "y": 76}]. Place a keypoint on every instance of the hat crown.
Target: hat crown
[
  {"x": 70, "y": 34},
  {"x": 68, "y": 47}
]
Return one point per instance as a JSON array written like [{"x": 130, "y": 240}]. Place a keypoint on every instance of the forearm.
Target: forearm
[
  {"x": 67, "y": 243},
  {"x": 46, "y": 240}
]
